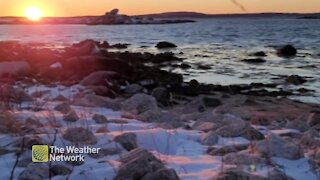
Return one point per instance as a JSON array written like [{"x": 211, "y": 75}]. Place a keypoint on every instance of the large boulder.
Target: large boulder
[
  {"x": 275, "y": 145},
  {"x": 140, "y": 103},
  {"x": 127, "y": 140},
  {"x": 14, "y": 68},
  {"x": 165, "y": 44},
  {"x": 286, "y": 51}
]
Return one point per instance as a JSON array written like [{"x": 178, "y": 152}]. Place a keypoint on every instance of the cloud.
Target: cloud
[{"x": 239, "y": 5}]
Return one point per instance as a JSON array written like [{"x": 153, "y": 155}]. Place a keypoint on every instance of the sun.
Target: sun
[{"x": 33, "y": 13}]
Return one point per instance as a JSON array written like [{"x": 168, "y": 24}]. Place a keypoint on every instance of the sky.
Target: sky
[{"x": 135, "y": 7}]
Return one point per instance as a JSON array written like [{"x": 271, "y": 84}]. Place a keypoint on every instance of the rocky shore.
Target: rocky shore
[{"x": 149, "y": 122}]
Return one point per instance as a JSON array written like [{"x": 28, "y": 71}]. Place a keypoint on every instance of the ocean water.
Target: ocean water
[{"x": 220, "y": 43}]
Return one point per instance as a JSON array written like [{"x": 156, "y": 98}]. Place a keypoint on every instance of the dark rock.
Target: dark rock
[
  {"x": 164, "y": 44},
  {"x": 210, "y": 139},
  {"x": 259, "y": 54},
  {"x": 133, "y": 89},
  {"x": 162, "y": 95},
  {"x": 79, "y": 135},
  {"x": 162, "y": 174},
  {"x": 237, "y": 174},
  {"x": 140, "y": 103},
  {"x": 211, "y": 102},
  {"x": 204, "y": 67},
  {"x": 314, "y": 119},
  {"x": 164, "y": 57},
  {"x": 221, "y": 151},
  {"x": 287, "y": 51},
  {"x": 100, "y": 119},
  {"x": 256, "y": 60},
  {"x": 63, "y": 108},
  {"x": 120, "y": 46},
  {"x": 97, "y": 78},
  {"x": 60, "y": 170},
  {"x": 185, "y": 66},
  {"x": 243, "y": 158},
  {"x": 127, "y": 140},
  {"x": 295, "y": 79},
  {"x": 71, "y": 116}
]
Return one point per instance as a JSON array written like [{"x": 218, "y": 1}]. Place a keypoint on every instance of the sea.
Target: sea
[{"x": 220, "y": 43}]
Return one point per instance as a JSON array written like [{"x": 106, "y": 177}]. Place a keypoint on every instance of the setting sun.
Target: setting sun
[{"x": 33, "y": 13}]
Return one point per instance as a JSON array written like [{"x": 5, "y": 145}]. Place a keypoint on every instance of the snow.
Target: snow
[{"x": 179, "y": 149}]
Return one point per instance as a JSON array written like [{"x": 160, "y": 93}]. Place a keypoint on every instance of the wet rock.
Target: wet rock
[
  {"x": 100, "y": 119},
  {"x": 255, "y": 60},
  {"x": 314, "y": 119},
  {"x": 164, "y": 44},
  {"x": 71, "y": 116},
  {"x": 14, "y": 68},
  {"x": 57, "y": 170},
  {"x": 79, "y": 135},
  {"x": 259, "y": 54},
  {"x": 165, "y": 57},
  {"x": 133, "y": 89},
  {"x": 287, "y": 51},
  {"x": 221, "y": 151},
  {"x": 64, "y": 108},
  {"x": 162, "y": 95},
  {"x": 210, "y": 139},
  {"x": 98, "y": 101},
  {"x": 274, "y": 145},
  {"x": 35, "y": 171},
  {"x": 140, "y": 103},
  {"x": 240, "y": 129},
  {"x": 127, "y": 140},
  {"x": 243, "y": 159},
  {"x": 295, "y": 79}
]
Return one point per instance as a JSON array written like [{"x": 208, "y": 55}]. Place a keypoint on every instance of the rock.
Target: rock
[
  {"x": 102, "y": 91},
  {"x": 127, "y": 140},
  {"x": 83, "y": 48},
  {"x": 71, "y": 116},
  {"x": 60, "y": 98},
  {"x": 240, "y": 129},
  {"x": 97, "y": 78},
  {"x": 311, "y": 138},
  {"x": 287, "y": 51},
  {"x": 204, "y": 67},
  {"x": 221, "y": 151},
  {"x": 113, "y": 12},
  {"x": 255, "y": 60},
  {"x": 14, "y": 68},
  {"x": 57, "y": 170},
  {"x": 35, "y": 171},
  {"x": 211, "y": 102},
  {"x": 295, "y": 79},
  {"x": 259, "y": 54},
  {"x": 158, "y": 116},
  {"x": 64, "y": 108},
  {"x": 205, "y": 126},
  {"x": 315, "y": 160},
  {"x": 98, "y": 101},
  {"x": 314, "y": 119},
  {"x": 185, "y": 66},
  {"x": 237, "y": 174},
  {"x": 162, "y": 95},
  {"x": 210, "y": 139},
  {"x": 120, "y": 46},
  {"x": 276, "y": 174},
  {"x": 298, "y": 124},
  {"x": 164, "y": 57},
  {"x": 243, "y": 159},
  {"x": 164, "y": 44},
  {"x": 100, "y": 119},
  {"x": 141, "y": 164},
  {"x": 26, "y": 142},
  {"x": 9, "y": 124},
  {"x": 133, "y": 89},
  {"x": 274, "y": 145},
  {"x": 79, "y": 135},
  {"x": 140, "y": 103},
  {"x": 103, "y": 152},
  {"x": 162, "y": 174}
]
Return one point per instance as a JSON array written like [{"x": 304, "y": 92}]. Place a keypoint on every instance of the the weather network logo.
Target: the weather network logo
[{"x": 40, "y": 153}]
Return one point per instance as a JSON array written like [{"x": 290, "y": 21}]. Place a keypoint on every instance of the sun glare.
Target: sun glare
[{"x": 33, "y": 13}]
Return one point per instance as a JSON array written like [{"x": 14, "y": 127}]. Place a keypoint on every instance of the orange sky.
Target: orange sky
[{"x": 131, "y": 7}]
